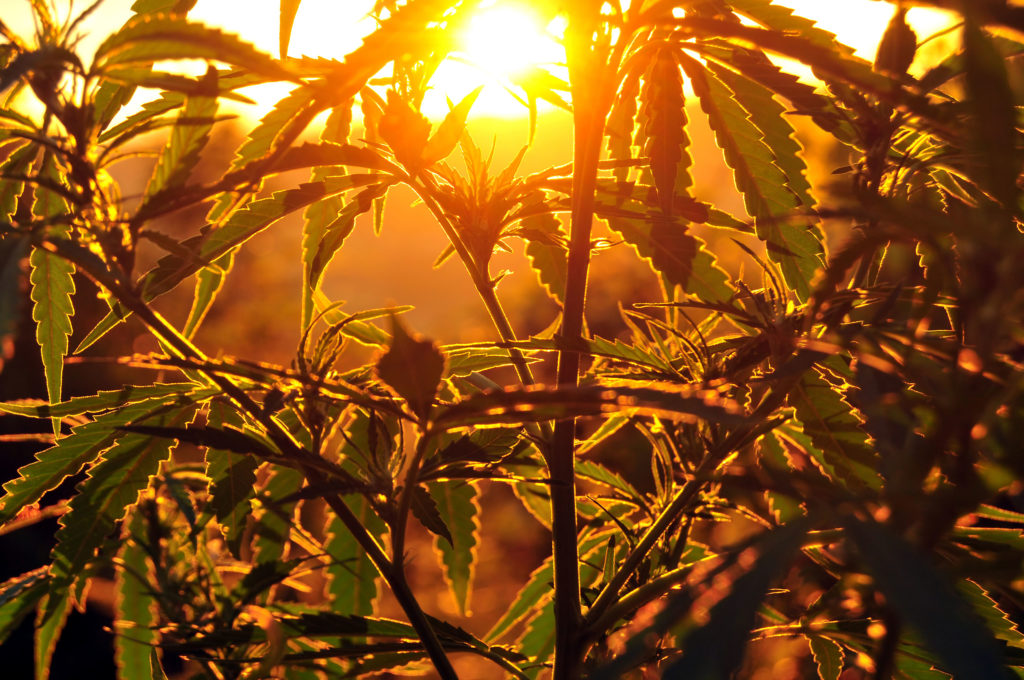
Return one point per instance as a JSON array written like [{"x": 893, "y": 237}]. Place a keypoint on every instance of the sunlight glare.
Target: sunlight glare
[{"x": 502, "y": 42}]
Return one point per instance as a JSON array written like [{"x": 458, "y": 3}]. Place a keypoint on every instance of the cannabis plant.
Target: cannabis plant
[{"x": 828, "y": 446}]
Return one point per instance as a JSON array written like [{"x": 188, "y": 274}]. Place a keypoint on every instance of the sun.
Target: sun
[
  {"x": 501, "y": 42},
  {"x": 506, "y": 40}
]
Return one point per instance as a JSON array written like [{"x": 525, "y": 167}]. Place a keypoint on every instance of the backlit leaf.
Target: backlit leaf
[
  {"x": 828, "y": 656},
  {"x": 19, "y": 596},
  {"x": 152, "y": 37},
  {"x": 836, "y": 431},
  {"x": 52, "y": 287},
  {"x": 52, "y": 614},
  {"x": 791, "y": 241},
  {"x": 136, "y": 606},
  {"x": 459, "y": 510},
  {"x": 352, "y": 576},
  {"x": 448, "y": 133},
  {"x": 189, "y": 135},
  {"x": 289, "y": 8},
  {"x": 71, "y": 453},
  {"x": 113, "y": 483}
]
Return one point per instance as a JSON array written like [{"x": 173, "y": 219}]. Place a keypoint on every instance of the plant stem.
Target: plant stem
[
  {"x": 588, "y": 130},
  {"x": 481, "y": 280}
]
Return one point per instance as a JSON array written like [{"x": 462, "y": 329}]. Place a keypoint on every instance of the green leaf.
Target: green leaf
[
  {"x": 533, "y": 594},
  {"x": 680, "y": 257},
  {"x": 546, "y": 248},
  {"x": 841, "y": 447},
  {"x": 274, "y": 519},
  {"x": 412, "y": 367},
  {"x": 595, "y": 472},
  {"x": 19, "y": 596},
  {"x": 52, "y": 287},
  {"x": 11, "y": 189},
  {"x": 232, "y": 480},
  {"x": 320, "y": 214},
  {"x": 153, "y": 37},
  {"x": 928, "y": 603},
  {"x": 74, "y": 451},
  {"x": 796, "y": 247},
  {"x": 621, "y": 122},
  {"x": 141, "y": 120},
  {"x": 289, "y": 8},
  {"x": 105, "y": 400},
  {"x": 448, "y": 133},
  {"x": 113, "y": 484},
  {"x": 778, "y": 134},
  {"x": 189, "y": 135},
  {"x": 53, "y": 612},
  {"x": 459, "y": 511},
  {"x": 828, "y": 656},
  {"x": 209, "y": 282},
  {"x": 135, "y": 603},
  {"x": 352, "y": 576},
  {"x": 998, "y": 622}
]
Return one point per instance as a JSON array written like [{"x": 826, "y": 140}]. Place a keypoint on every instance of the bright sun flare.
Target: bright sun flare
[{"x": 506, "y": 40}]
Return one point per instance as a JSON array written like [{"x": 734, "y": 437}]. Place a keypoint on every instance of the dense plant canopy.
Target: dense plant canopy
[{"x": 819, "y": 458}]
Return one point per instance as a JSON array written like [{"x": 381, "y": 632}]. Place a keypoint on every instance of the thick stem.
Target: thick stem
[{"x": 588, "y": 131}]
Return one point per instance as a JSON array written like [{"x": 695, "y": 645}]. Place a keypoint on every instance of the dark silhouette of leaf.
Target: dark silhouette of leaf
[
  {"x": 715, "y": 649},
  {"x": 425, "y": 509},
  {"x": 926, "y": 601},
  {"x": 993, "y": 106},
  {"x": 518, "y": 405},
  {"x": 662, "y": 105},
  {"x": 412, "y": 367}
]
